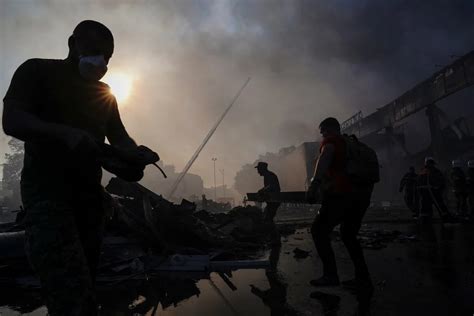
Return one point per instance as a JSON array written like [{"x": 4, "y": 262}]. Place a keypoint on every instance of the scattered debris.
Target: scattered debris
[
  {"x": 378, "y": 239},
  {"x": 138, "y": 301},
  {"x": 300, "y": 253},
  {"x": 147, "y": 234},
  {"x": 286, "y": 229}
]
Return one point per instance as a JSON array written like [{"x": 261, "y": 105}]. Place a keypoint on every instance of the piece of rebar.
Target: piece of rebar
[
  {"x": 227, "y": 281},
  {"x": 206, "y": 139}
]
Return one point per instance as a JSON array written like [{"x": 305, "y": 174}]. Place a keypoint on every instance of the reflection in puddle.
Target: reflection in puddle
[
  {"x": 414, "y": 272},
  {"x": 276, "y": 296}
]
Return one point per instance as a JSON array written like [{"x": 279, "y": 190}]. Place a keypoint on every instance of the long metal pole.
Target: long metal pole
[
  {"x": 223, "y": 183},
  {"x": 215, "y": 188},
  {"x": 206, "y": 139}
]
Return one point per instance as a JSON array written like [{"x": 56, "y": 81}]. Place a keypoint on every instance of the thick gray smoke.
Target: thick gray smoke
[{"x": 307, "y": 59}]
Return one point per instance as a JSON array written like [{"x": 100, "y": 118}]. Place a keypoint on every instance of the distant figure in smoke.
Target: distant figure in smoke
[
  {"x": 342, "y": 203},
  {"x": 431, "y": 184},
  {"x": 270, "y": 185},
  {"x": 64, "y": 113},
  {"x": 470, "y": 188},
  {"x": 408, "y": 184},
  {"x": 204, "y": 202},
  {"x": 459, "y": 187}
]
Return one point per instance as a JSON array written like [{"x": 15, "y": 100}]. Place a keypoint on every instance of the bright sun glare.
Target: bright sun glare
[{"x": 120, "y": 86}]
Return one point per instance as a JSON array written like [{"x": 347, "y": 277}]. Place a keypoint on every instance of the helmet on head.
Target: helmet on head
[
  {"x": 429, "y": 160},
  {"x": 470, "y": 164},
  {"x": 456, "y": 163}
]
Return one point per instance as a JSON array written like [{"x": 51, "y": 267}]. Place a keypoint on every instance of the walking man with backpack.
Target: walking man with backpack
[{"x": 345, "y": 173}]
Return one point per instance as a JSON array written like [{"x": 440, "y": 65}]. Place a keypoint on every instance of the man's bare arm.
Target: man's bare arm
[
  {"x": 116, "y": 132},
  {"x": 19, "y": 122},
  {"x": 122, "y": 141},
  {"x": 323, "y": 163}
]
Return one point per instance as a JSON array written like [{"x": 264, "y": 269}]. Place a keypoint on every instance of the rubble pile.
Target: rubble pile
[
  {"x": 161, "y": 224},
  {"x": 146, "y": 232}
]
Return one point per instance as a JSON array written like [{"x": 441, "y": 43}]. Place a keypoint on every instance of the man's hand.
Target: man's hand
[
  {"x": 262, "y": 195},
  {"x": 140, "y": 155},
  {"x": 147, "y": 156},
  {"x": 128, "y": 164}
]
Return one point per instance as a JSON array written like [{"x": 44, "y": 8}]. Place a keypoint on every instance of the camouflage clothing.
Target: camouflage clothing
[{"x": 63, "y": 246}]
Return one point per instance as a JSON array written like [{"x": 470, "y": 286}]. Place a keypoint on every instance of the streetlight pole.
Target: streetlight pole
[
  {"x": 215, "y": 188},
  {"x": 223, "y": 183}
]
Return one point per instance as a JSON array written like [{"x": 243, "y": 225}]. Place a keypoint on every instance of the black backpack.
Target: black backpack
[{"x": 362, "y": 165}]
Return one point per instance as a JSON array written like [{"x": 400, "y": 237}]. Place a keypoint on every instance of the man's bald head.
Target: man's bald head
[{"x": 91, "y": 38}]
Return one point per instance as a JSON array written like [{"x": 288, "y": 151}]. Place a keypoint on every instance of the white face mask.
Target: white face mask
[{"x": 92, "y": 68}]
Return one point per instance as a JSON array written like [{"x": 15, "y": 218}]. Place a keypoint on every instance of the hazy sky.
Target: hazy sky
[{"x": 307, "y": 59}]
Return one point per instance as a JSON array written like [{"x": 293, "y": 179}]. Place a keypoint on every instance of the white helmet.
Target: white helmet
[
  {"x": 456, "y": 163},
  {"x": 429, "y": 159},
  {"x": 470, "y": 164}
]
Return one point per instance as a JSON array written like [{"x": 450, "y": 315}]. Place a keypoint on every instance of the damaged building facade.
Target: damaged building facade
[{"x": 384, "y": 130}]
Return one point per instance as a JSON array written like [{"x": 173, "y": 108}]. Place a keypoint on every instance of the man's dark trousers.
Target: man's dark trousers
[
  {"x": 348, "y": 210},
  {"x": 63, "y": 246}
]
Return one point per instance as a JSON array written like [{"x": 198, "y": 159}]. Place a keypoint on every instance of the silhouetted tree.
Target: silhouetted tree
[
  {"x": 247, "y": 180},
  {"x": 12, "y": 172}
]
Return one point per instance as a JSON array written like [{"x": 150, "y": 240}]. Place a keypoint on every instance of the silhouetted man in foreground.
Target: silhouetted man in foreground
[
  {"x": 408, "y": 184},
  {"x": 343, "y": 203},
  {"x": 270, "y": 185},
  {"x": 63, "y": 113}
]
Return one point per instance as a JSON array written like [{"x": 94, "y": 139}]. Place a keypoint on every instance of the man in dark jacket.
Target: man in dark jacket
[
  {"x": 344, "y": 203},
  {"x": 270, "y": 185}
]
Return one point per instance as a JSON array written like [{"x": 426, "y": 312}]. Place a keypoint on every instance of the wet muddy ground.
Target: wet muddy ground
[{"x": 418, "y": 269}]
